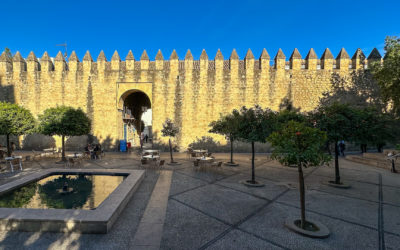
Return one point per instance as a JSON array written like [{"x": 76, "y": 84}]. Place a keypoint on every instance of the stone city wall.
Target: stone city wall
[{"x": 190, "y": 92}]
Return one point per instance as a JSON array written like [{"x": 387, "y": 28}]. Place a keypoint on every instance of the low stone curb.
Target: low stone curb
[
  {"x": 323, "y": 231},
  {"x": 229, "y": 164},
  {"x": 246, "y": 183},
  {"x": 174, "y": 163}
]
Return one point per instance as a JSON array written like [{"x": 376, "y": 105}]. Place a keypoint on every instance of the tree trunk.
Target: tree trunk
[
  {"x": 8, "y": 146},
  {"x": 253, "y": 177},
  {"x": 170, "y": 150},
  {"x": 231, "y": 151},
  {"x": 337, "y": 174},
  {"x": 302, "y": 197},
  {"x": 63, "y": 148}
]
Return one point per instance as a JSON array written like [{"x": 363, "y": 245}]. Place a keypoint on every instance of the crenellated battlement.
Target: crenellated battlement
[
  {"x": 190, "y": 92},
  {"x": 101, "y": 65}
]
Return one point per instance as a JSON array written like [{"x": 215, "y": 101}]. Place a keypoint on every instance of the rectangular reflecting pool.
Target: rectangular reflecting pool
[
  {"x": 67, "y": 200},
  {"x": 63, "y": 191}
]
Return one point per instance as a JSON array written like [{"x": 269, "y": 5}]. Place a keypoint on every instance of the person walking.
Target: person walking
[
  {"x": 342, "y": 147},
  {"x": 146, "y": 138}
]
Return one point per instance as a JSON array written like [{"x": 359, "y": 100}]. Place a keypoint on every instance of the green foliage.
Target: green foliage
[
  {"x": 388, "y": 73},
  {"x": 15, "y": 120},
  {"x": 227, "y": 125},
  {"x": 284, "y": 116},
  {"x": 19, "y": 197},
  {"x": 65, "y": 121},
  {"x": 337, "y": 120},
  {"x": 82, "y": 188},
  {"x": 255, "y": 124},
  {"x": 298, "y": 144},
  {"x": 169, "y": 128},
  {"x": 374, "y": 127}
]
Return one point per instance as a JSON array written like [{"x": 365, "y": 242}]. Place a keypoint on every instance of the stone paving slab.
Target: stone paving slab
[
  {"x": 284, "y": 175},
  {"x": 391, "y": 179},
  {"x": 391, "y": 219},
  {"x": 186, "y": 228},
  {"x": 239, "y": 240},
  {"x": 392, "y": 242},
  {"x": 391, "y": 195},
  {"x": 208, "y": 175},
  {"x": 225, "y": 204},
  {"x": 149, "y": 232},
  {"x": 181, "y": 183},
  {"x": 269, "y": 224},
  {"x": 359, "y": 190},
  {"x": 353, "y": 210},
  {"x": 276, "y": 164},
  {"x": 269, "y": 191},
  {"x": 363, "y": 175}
]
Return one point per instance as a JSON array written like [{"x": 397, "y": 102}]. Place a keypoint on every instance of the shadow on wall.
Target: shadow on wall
[
  {"x": 3, "y": 140},
  {"x": 6, "y": 91},
  {"x": 164, "y": 147},
  {"x": 109, "y": 143},
  {"x": 211, "y": 145},
  {"x": 78, "y": 143},
  {"x": 38, "y": 142}
]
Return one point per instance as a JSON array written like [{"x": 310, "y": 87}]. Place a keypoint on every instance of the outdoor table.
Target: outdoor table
[
  {"x": 151, "y": 157},
  {"x": 200, "y": 151},
  {"x": 151, "y": 151},
  {"x": 11, "y": 159},
  {"x": 74, "y": 155},
  {"x": 205, "y": 160}
]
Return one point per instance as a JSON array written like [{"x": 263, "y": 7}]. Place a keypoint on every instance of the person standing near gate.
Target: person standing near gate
[{"x": 146, "y": 138}]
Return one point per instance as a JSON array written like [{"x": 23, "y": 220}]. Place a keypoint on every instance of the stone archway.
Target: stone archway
[{"x": 135, "y": 107}]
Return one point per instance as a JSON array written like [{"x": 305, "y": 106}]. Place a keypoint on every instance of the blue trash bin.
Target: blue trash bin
[{"x": 122, "y": 145}]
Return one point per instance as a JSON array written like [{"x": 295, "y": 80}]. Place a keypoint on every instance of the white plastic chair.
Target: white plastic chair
[{"x": 13, "y": 158}]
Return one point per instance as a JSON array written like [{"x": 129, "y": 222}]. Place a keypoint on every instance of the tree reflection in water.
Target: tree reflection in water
[
  {"x": 19, "y": 197},
  {"x": 81, "y": 189}
]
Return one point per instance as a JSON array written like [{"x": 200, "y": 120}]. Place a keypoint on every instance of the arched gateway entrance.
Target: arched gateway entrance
[{"x": 136, "y": 118}]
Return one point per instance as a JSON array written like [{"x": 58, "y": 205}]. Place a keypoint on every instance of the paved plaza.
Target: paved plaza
[{"x": 209, "y": 209}]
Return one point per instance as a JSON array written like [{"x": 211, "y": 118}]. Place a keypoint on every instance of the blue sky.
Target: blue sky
[{"x": 196, "y": 25}]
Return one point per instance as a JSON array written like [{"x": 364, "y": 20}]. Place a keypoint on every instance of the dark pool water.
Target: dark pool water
[{"x": 63, "y": 192}]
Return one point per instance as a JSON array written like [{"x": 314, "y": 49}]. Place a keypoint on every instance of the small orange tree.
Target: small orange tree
[
  {"x": 255, "y": 125},
  {"x": 64, "y": 121},
  {"x": 170, "y": 130},
  {"x": 15, "y": 120},
  {"x": 228, "y": 126},
  {"x": 298, "y": 144}
]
